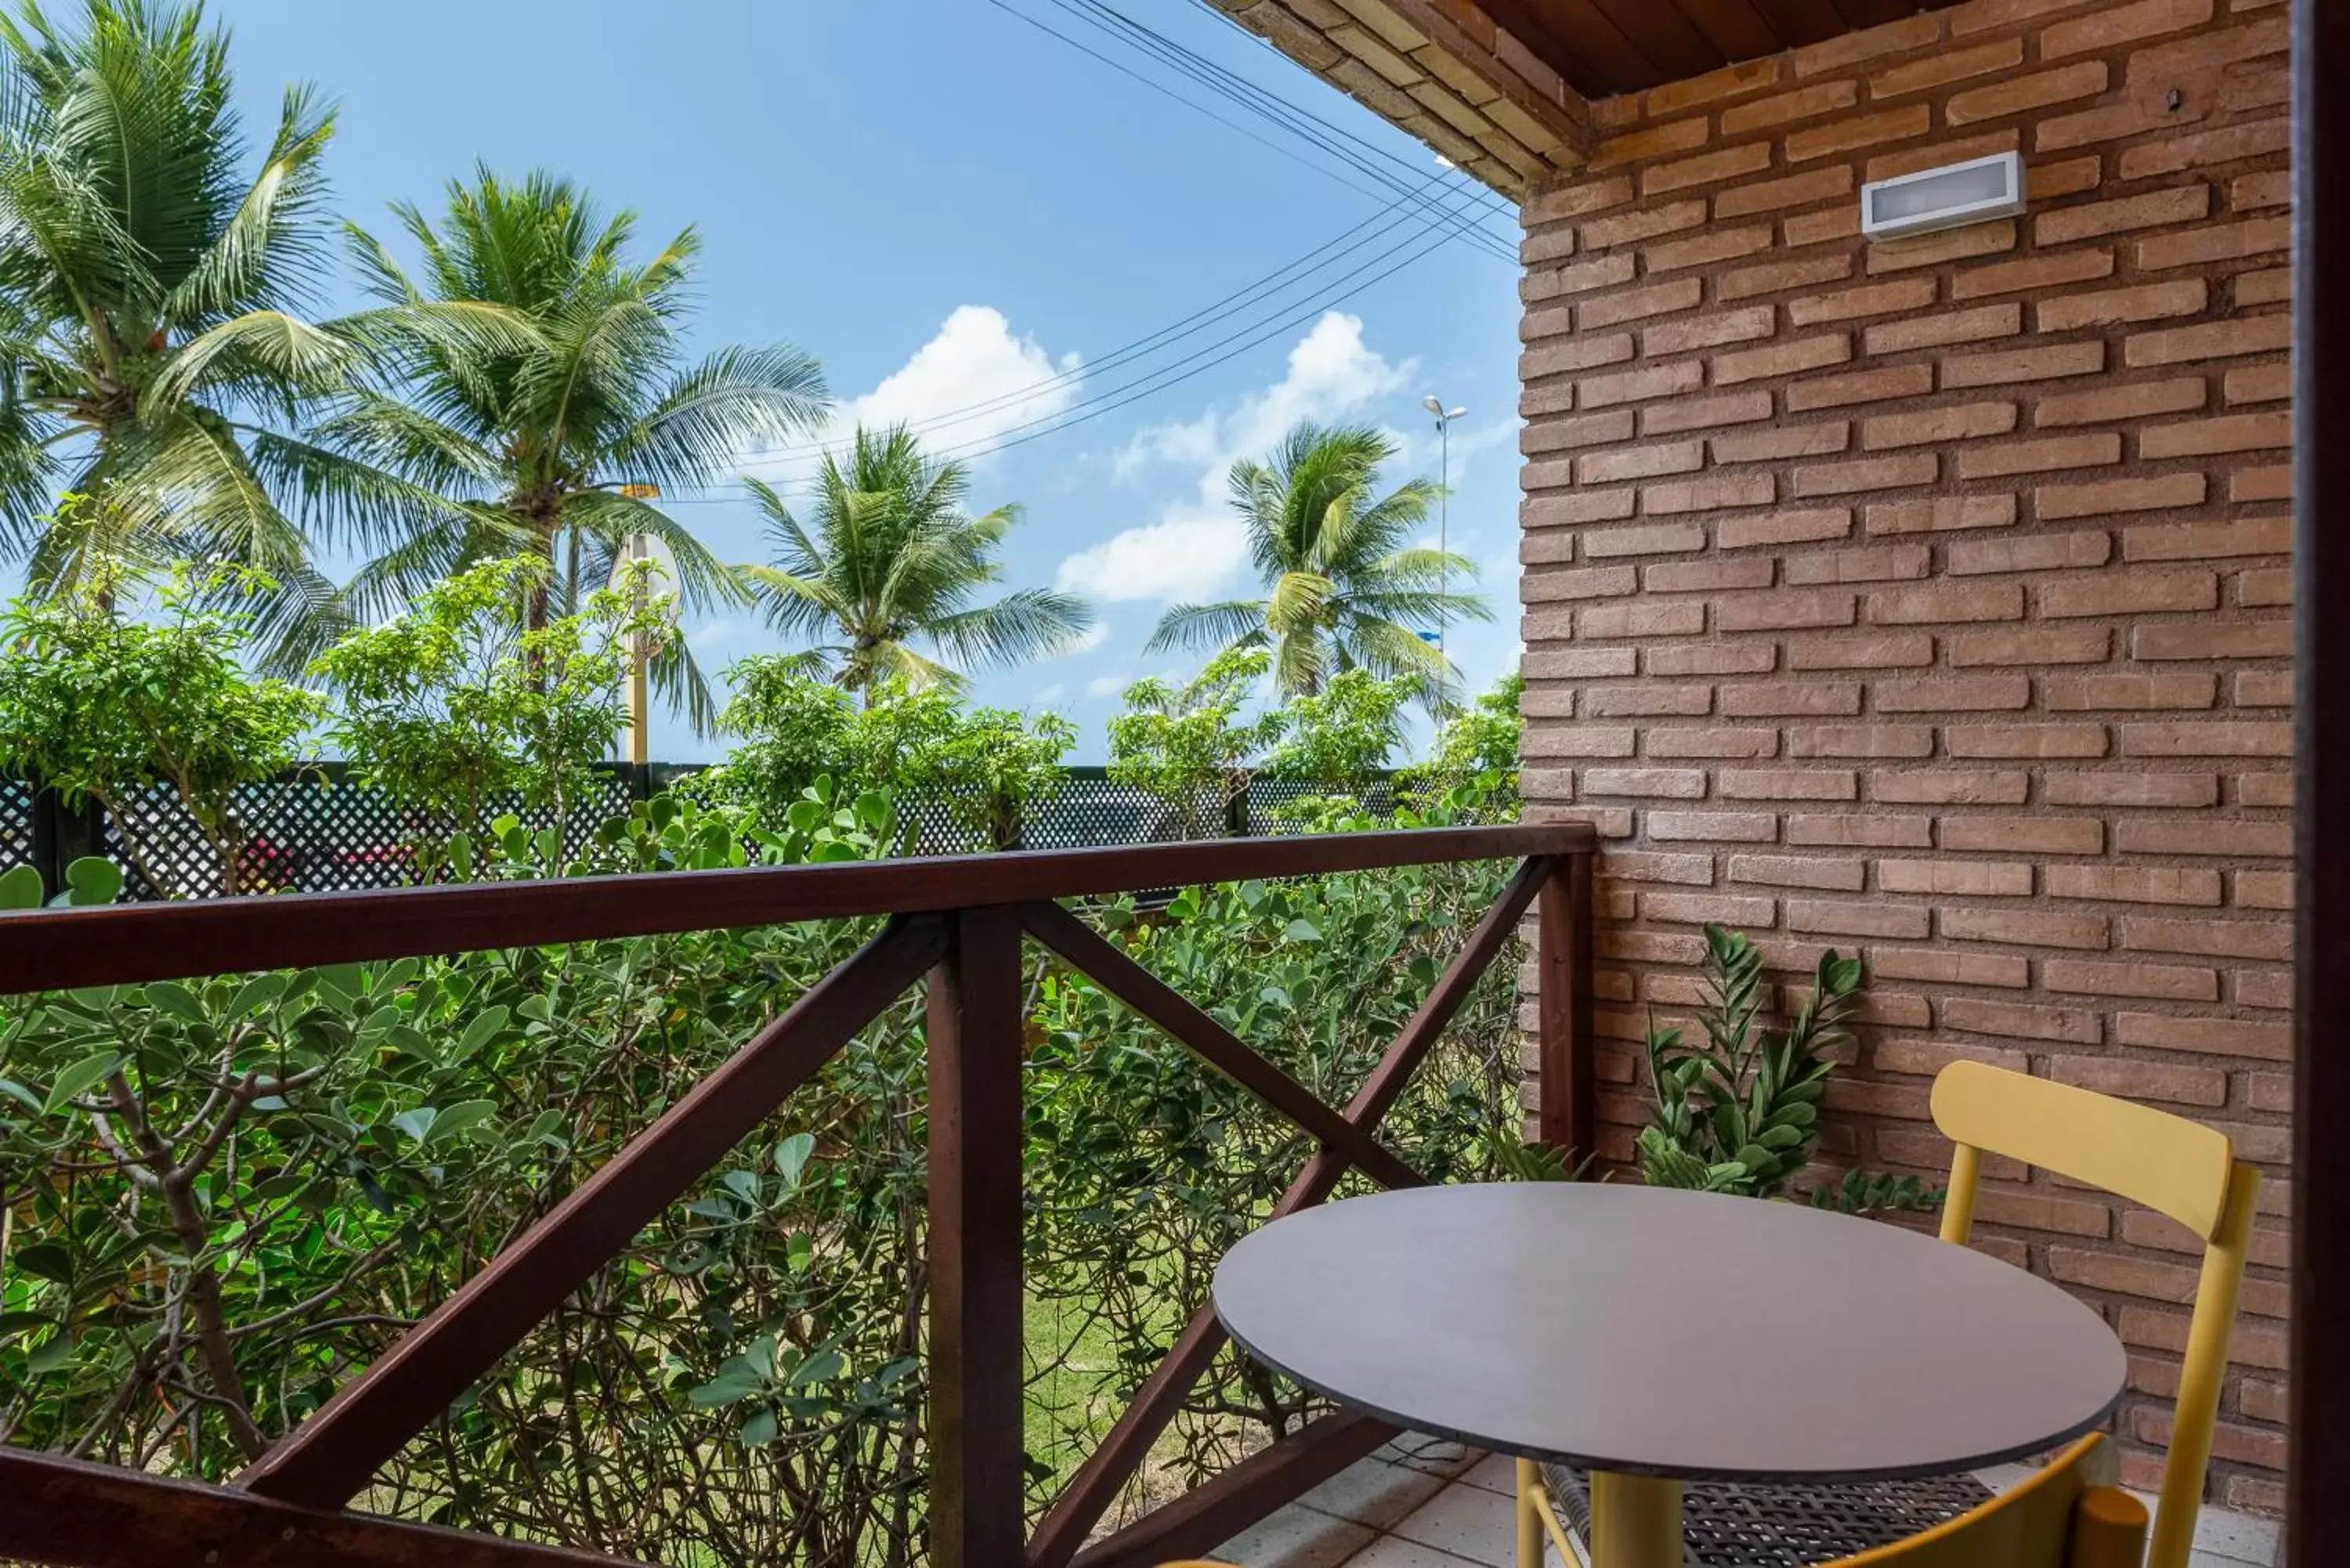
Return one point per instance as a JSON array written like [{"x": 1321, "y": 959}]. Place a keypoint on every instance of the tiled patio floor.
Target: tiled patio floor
[{"x": 1423, "y": 1503}]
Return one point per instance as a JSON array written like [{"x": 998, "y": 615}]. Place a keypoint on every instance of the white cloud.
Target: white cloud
[
  {"x": 963, "y": 392},
  {"x": 1105, "y": 685},
  {"x": 1049, "y": 695},
  {"x": 1197, "y": 546},
  {"x": 712, "y": 634},
  {"x": 1188, "y": 555},
  {"x": 1093, "y": 636}
]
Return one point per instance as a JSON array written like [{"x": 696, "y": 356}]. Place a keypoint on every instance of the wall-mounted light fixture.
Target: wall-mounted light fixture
[{"x": 1944, "y": 198}]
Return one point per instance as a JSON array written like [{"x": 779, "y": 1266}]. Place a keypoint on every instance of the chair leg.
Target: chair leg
[{"x": 1529, "y": 1528}]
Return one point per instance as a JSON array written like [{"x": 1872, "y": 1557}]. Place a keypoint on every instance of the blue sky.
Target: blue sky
[{"x": 949, "y": 207}]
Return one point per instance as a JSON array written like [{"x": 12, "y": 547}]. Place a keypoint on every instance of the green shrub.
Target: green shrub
[
  {"x": 102, "y": 707},
  {"x": 986, "y": 767},
  {"x": 1344, "y": 732},
  {"x": 1188, "y": 746},
  {"x": 224, "y": 1198},
  {"x": 457, "y": 706}
]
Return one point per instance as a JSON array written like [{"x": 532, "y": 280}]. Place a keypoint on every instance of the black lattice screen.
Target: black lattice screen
[
  {"x": 18, "y": 833},
  {"x": 313, "y": 830}
]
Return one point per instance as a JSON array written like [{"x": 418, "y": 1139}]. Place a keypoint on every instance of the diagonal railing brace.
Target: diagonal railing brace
[
  {"x": 1095, "y": 1487},
  {"x": 330, "y": 1457}
]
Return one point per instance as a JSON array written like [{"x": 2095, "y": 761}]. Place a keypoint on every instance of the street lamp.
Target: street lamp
[
  {"x": 641, "y": 547},
  {"x": 1444, "y": 418}
]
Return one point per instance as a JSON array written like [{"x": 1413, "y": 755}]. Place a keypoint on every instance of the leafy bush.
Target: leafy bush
[
  {"x": 1476, "y": 746},
  {"x": 101, "y": 707},
  {"x": 987, "y": 765},
  {"x": 460, "y": 705},
  {"x": 224, "y": 1198},
  {"x": 1342, "y": 734},
  {"x": 1189, "y": 745}
]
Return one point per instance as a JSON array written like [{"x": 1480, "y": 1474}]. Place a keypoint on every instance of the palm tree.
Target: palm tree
[
  {"x": 558, "y": 447},
  {"x": 152, "y": 355},
  {"x": 893, "y": 558},
  {"x": 1343, "y": 589}
]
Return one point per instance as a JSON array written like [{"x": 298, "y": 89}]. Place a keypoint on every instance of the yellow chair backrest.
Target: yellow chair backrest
[
  {"x": 2069, "y": 1515},
  {"x": 2169, "y": 1163}
]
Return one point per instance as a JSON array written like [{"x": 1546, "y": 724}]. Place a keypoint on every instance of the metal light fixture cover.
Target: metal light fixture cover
[{"x": 1947, "y": 198}]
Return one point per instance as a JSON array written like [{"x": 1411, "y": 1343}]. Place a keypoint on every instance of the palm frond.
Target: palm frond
[{"x": 1194, "y": 627}]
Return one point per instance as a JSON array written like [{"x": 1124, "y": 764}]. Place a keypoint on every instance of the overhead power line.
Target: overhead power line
[
  {"x": 1334, "y": 292},
  {"x": 1291, "y": 275},
  {"x": 1369, "y": 162}
]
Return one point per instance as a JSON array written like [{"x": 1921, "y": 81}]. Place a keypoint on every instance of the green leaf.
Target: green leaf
[
  {"x": 416, "y": 1123},
  {"x": 349, "y": 980},
  {"x": 257, "y": 994},
  {"x": 46, "y": 1260},
  {"x": 20, "y": 888},
  {"x": 1301, "y": 931},
  {"x": 483, "y": 1029},
  {"x": 92, "y": 879},
  {"x": 759, "y": 1430},
  {"x": 736, "y": 1381},
  {"x": 176, "y": 1000},
  {"x": 75, "y": 1080},
  {"x": 458, "y": 1119},
  {"x": 792, "y": 1157}
]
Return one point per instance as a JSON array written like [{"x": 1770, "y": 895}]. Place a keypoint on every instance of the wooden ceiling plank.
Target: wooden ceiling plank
[
  {"x": 1874, "y": 13},
  {"x": 1577, "y": 39},
  {"x": 1800, "y": 22},
  {"x": 1666, "y": 34},
  {"x": 1734, "y": 26}
]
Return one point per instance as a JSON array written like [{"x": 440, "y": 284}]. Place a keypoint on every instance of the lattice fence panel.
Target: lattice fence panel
[
  {"x": 309, "y": 832},
  {"x": 1267, "y": 799},
  {"x": 315, "y": 831},
  {"x": 17, "y": 831}
]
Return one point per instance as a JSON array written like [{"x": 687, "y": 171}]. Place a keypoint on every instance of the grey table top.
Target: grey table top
[{"x": 1673, "y": 1333}]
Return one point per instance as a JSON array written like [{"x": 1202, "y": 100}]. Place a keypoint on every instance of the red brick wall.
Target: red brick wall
[{"x": 1930, "y": 598}]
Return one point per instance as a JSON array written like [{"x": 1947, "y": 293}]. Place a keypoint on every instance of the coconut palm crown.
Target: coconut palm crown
[
  {"x": 888, "y": 556},
  {"x": 1343, "y": 588},
  {"x": 154, "y": 358},
  {"x": 561, "y": 447}
]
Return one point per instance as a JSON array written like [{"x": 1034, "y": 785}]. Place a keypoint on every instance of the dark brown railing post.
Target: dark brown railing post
[
  {"x": 1566, "y": 1114},
  {"x": 976, "y": 1517}
]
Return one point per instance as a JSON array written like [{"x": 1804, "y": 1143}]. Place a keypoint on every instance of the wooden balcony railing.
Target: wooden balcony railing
[{"x": 961, "y": 923}]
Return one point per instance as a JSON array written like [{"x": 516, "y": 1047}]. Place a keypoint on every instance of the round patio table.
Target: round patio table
[{"x": 1655, "y": 1336}]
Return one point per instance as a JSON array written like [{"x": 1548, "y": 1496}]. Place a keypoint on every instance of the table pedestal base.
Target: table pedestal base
[{"x": 1636, "y": 1522}]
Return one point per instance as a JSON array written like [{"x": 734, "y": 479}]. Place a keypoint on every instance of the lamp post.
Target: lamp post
[
  {"x": 1444, "y": 418},
  {"x": 638, "y": 548}
]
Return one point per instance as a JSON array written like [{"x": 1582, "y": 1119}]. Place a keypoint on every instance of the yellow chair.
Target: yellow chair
[
  {"x": 2170, "y": 1165},
  {"x": 2069, "y": 1515}
]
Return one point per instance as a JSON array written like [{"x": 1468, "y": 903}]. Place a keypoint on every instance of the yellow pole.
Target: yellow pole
[
  {"x": 1636, "y": 1522},
  {"x": 638, "y": 550}
]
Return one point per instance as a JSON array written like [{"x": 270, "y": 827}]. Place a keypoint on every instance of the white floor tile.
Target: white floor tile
[
  {"x": 1395, "y": 1552},
  {"x": 1466, "y": 1521},
  {"x": 1494, "y": 1472},
  {"x": 1437, "y": 1455},
  {"x": 1374, "y": 1492},
  {"x": 1297, "y": 1538}
]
